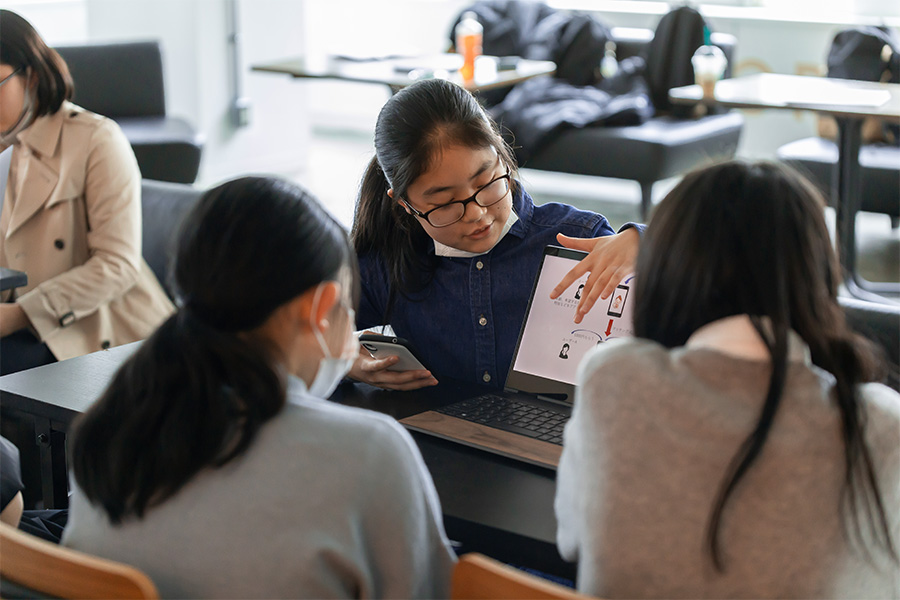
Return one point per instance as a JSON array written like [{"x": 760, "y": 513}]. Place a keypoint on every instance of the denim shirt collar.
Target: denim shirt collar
[{"x": 524, "y": 207}]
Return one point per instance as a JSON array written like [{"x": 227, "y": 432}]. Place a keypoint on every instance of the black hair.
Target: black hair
[
  {"x": 750, "y": 238},
  {"x": 412, "y": 128},
  {"x": 22, "y": 48},
  {"x": 197, "y": 391}
]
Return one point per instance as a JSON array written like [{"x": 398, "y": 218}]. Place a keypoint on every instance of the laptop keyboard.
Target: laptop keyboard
[{"x": 545, "y": 424}]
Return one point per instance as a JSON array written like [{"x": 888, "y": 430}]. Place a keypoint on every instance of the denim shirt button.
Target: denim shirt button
[
  {"x": 479, "y": 265},
  {"x": 486, "y": 377},
  {"x": 482, "y": 321}
]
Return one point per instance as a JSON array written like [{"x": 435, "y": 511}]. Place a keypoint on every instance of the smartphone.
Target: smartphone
[
  {"x": 382, "y": 346},
  {"x": 617, "y": 301}
]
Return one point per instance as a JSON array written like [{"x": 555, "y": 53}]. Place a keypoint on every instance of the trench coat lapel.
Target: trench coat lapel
[{"x": 36, "y": 180}]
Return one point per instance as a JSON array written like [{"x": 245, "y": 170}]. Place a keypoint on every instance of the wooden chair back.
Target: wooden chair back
[
  {"x": 478, "y": 577},
  {"x": 30, "y": 565}
]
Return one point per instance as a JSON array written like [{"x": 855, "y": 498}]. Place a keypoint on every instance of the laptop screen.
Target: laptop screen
[{"x": 551, "y": 345}]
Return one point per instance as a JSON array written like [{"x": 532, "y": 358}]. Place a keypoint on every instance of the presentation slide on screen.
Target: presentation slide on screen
[{"x": 552, "y": 343}]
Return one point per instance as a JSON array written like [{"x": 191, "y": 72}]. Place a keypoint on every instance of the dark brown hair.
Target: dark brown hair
[
  {"x": 197, "y": 391},
  {"x": 412, "y": 128},
  {"x": 750, "y": 238}
]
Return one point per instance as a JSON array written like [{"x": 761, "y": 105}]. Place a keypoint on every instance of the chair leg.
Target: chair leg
[{"x": 646, "y": 200}]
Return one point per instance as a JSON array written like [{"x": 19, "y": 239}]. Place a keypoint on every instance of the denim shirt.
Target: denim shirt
[{"x": 466, "y": 322}]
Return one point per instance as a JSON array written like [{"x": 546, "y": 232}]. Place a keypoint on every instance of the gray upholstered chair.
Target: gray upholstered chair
[
  {"x": 663, "y": 147},
  {"x": 124, "y": 81},
  {"x": 163, "y": 207},
  {"x": 881, "y": 324}
]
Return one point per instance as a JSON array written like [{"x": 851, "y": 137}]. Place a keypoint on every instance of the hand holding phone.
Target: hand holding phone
[{"x": 382, "y": 346}]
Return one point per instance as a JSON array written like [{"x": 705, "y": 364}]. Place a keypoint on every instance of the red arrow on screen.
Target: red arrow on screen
[{"x": 609, "y": 328}]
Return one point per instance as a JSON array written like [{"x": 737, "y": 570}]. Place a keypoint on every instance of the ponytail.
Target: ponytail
[
  {"x": 175, "y": 407},
  {"x": 383, "y": 227},
  {"x": 198, "y": 390}
]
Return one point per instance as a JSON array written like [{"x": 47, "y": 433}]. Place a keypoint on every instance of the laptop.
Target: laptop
[{"x": 525, "y": 420}]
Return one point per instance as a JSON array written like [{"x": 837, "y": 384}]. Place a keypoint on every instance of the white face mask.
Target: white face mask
[{"x": 331, "y": 369}]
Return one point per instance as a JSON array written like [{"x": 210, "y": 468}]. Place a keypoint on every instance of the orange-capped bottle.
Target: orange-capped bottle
[{"x": 468, "y": 36}]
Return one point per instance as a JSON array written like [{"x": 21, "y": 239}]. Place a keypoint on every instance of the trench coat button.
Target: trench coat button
[
  {"x": 59, "y": 244},
  {"x": 67, "y": 319},
  {"x": 105, "y": 344}
]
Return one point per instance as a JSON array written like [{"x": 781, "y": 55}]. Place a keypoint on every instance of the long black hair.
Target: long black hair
[
  {"x": 750, "y": 238},
  {"x": 21, "y": 47},
  {"x": 412, "y": 128},
  {"x": 197, "y": 391}
]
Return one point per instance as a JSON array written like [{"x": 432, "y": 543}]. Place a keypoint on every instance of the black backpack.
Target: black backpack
[
  {"x": 575, "y": 41},
  {"x": 868, "y": 54},
  {"x": 865, "y": 53},
  {"x": 678, "y": 35}
]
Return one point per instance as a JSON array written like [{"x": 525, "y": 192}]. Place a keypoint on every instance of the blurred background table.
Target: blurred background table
[
  {"x": 399, "y": 72},
  {"x": 849, "y": 102}
]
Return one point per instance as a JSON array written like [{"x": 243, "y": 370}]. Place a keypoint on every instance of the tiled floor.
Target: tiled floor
[{"x": 339, "y": 158}]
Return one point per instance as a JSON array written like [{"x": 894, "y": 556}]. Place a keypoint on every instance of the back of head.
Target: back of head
[
  {"x": 196, "y": 392},
  {"x": 412, "y": 128},
  {"x": 22, "y": 47},
  {"x": 750, "y": 238},
  {"x": 736, "y": 238},
  {"x": 250, "y": 245}
]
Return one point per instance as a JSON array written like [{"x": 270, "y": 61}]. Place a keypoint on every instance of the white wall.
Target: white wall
[
  {"x": 58, "y": 21},
  {"x": 197, "y": 67}
]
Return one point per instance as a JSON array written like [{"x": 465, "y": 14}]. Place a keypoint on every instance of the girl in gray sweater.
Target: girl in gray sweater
[
  {"x": 733, "y": 448},
  {"x": 213, "y": 461}
]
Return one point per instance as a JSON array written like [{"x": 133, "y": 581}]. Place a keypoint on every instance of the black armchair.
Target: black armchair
[
  {"x": 124, "y": 81},
  {"x": 662, "y": 147},
  {"x": 817, "y": 159}
]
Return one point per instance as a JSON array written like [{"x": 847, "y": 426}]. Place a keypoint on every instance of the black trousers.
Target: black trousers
[{"x": 21, "y": 351}]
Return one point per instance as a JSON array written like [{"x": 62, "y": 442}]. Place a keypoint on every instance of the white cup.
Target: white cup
[{"x": 709, "y": 65}]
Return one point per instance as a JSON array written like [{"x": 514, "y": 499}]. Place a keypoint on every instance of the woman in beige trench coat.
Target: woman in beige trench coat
[{"x": 71, "y": 216}]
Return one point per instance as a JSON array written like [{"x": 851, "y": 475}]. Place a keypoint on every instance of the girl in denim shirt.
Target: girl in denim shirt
[{"x": 449, "y": 242}]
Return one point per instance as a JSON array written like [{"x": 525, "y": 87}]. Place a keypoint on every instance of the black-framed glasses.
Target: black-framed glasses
[
  {"x": 450, "y": 213},
  {"x": 10, "y": 76}
]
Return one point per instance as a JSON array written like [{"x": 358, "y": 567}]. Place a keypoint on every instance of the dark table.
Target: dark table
[
  {"x": 849, "y": 102},
  {"x": 10, "y": 278},
  {"x": 491, "y": 504}
]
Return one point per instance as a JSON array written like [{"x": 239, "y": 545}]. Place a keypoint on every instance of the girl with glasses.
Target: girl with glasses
[
  {"x": 71, "y": 216},
  {"x": 735, "y": 447},
  {"x": 449, "y": 242},
  {"x": 212, "y": 462}
]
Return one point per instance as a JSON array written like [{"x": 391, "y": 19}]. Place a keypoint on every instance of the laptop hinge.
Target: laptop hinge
[{"x": 558, "y": 398}]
